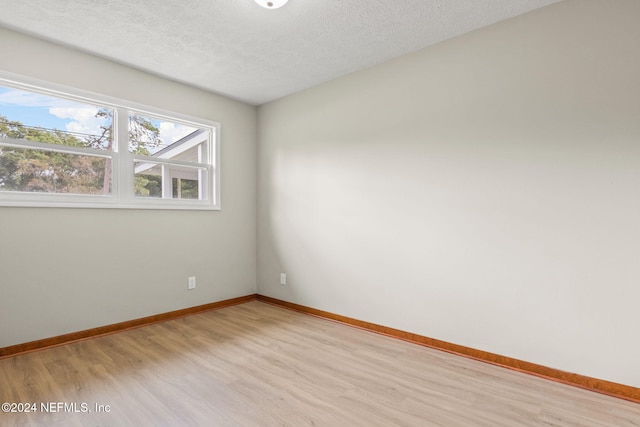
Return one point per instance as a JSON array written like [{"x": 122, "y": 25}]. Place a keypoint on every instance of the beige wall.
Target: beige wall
[
  {"x": 484, "y": 191},
  {"x": 64, "y": 270}
]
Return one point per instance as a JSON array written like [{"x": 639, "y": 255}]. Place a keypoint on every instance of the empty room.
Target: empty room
[{"x": 330, "y": 213}]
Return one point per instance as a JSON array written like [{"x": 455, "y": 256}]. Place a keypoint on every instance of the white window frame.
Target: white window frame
[{"x": 122, "y": 165}]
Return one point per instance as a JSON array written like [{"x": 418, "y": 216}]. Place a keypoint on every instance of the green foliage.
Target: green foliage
[
  {"x": 148, "y": 185},
  {"x": 36, "y": 170},
  {"x": 23, "y": 169},
  {"x": 185, "y": 188}
]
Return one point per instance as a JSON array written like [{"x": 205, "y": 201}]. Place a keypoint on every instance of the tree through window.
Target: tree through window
[{"x": 66, "y": 146}]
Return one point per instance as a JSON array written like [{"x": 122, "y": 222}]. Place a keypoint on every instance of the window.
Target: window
[
  {"x": 59, "y": 148},
  {"x": 174, "y": 166}
]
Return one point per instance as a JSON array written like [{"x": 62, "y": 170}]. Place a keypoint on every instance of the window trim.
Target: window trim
[{"x": 122, "y": 178}]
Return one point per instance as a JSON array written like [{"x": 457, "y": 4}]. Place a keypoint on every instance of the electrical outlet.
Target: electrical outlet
[
  {"x": 191, "y": 284},
  {"x": 283, "y": 279}
]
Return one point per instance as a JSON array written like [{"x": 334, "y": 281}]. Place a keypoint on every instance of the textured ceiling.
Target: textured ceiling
[{"x": 241, "y": 50}]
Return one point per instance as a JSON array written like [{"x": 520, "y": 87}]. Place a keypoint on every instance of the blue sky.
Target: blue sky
[
  {"x": 34, "y": 109},
  {"x": 30, "y": 109}
]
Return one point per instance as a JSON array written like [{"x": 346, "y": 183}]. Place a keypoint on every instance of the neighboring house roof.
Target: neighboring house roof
[{"x": 185, "y": 149}]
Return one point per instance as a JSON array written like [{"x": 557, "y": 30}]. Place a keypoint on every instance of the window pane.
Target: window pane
[
  {"x": 184, "y": 188},
  {"x": 43, "y": 171},
  {"x": 164, "y": 139},
  {"x": 43, "y": 118},
  {"x": 169, "y": 181},
  {"x": 66, "y": 142},
  {"x": 147, "y": 179}
]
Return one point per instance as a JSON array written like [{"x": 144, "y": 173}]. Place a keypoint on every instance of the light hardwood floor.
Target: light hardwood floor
[{"x": 259, "y": 365}]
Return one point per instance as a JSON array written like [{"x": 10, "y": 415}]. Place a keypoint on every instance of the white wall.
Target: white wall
[
  {"x": 484, "y": 191},
  {"x": 65, "y": 270}
]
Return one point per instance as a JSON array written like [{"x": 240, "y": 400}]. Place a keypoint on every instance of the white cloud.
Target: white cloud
[
  {"x": 171, "y": 132},
  {"x": 83, "y": 116},
  {"x": 83, "y": 119}
]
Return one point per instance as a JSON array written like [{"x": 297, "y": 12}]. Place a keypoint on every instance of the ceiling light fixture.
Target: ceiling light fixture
[{"x": 271, "y": 4}]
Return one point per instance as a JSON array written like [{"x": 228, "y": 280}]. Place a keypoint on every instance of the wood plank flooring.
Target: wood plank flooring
[{"x": 259, "y": 365}]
